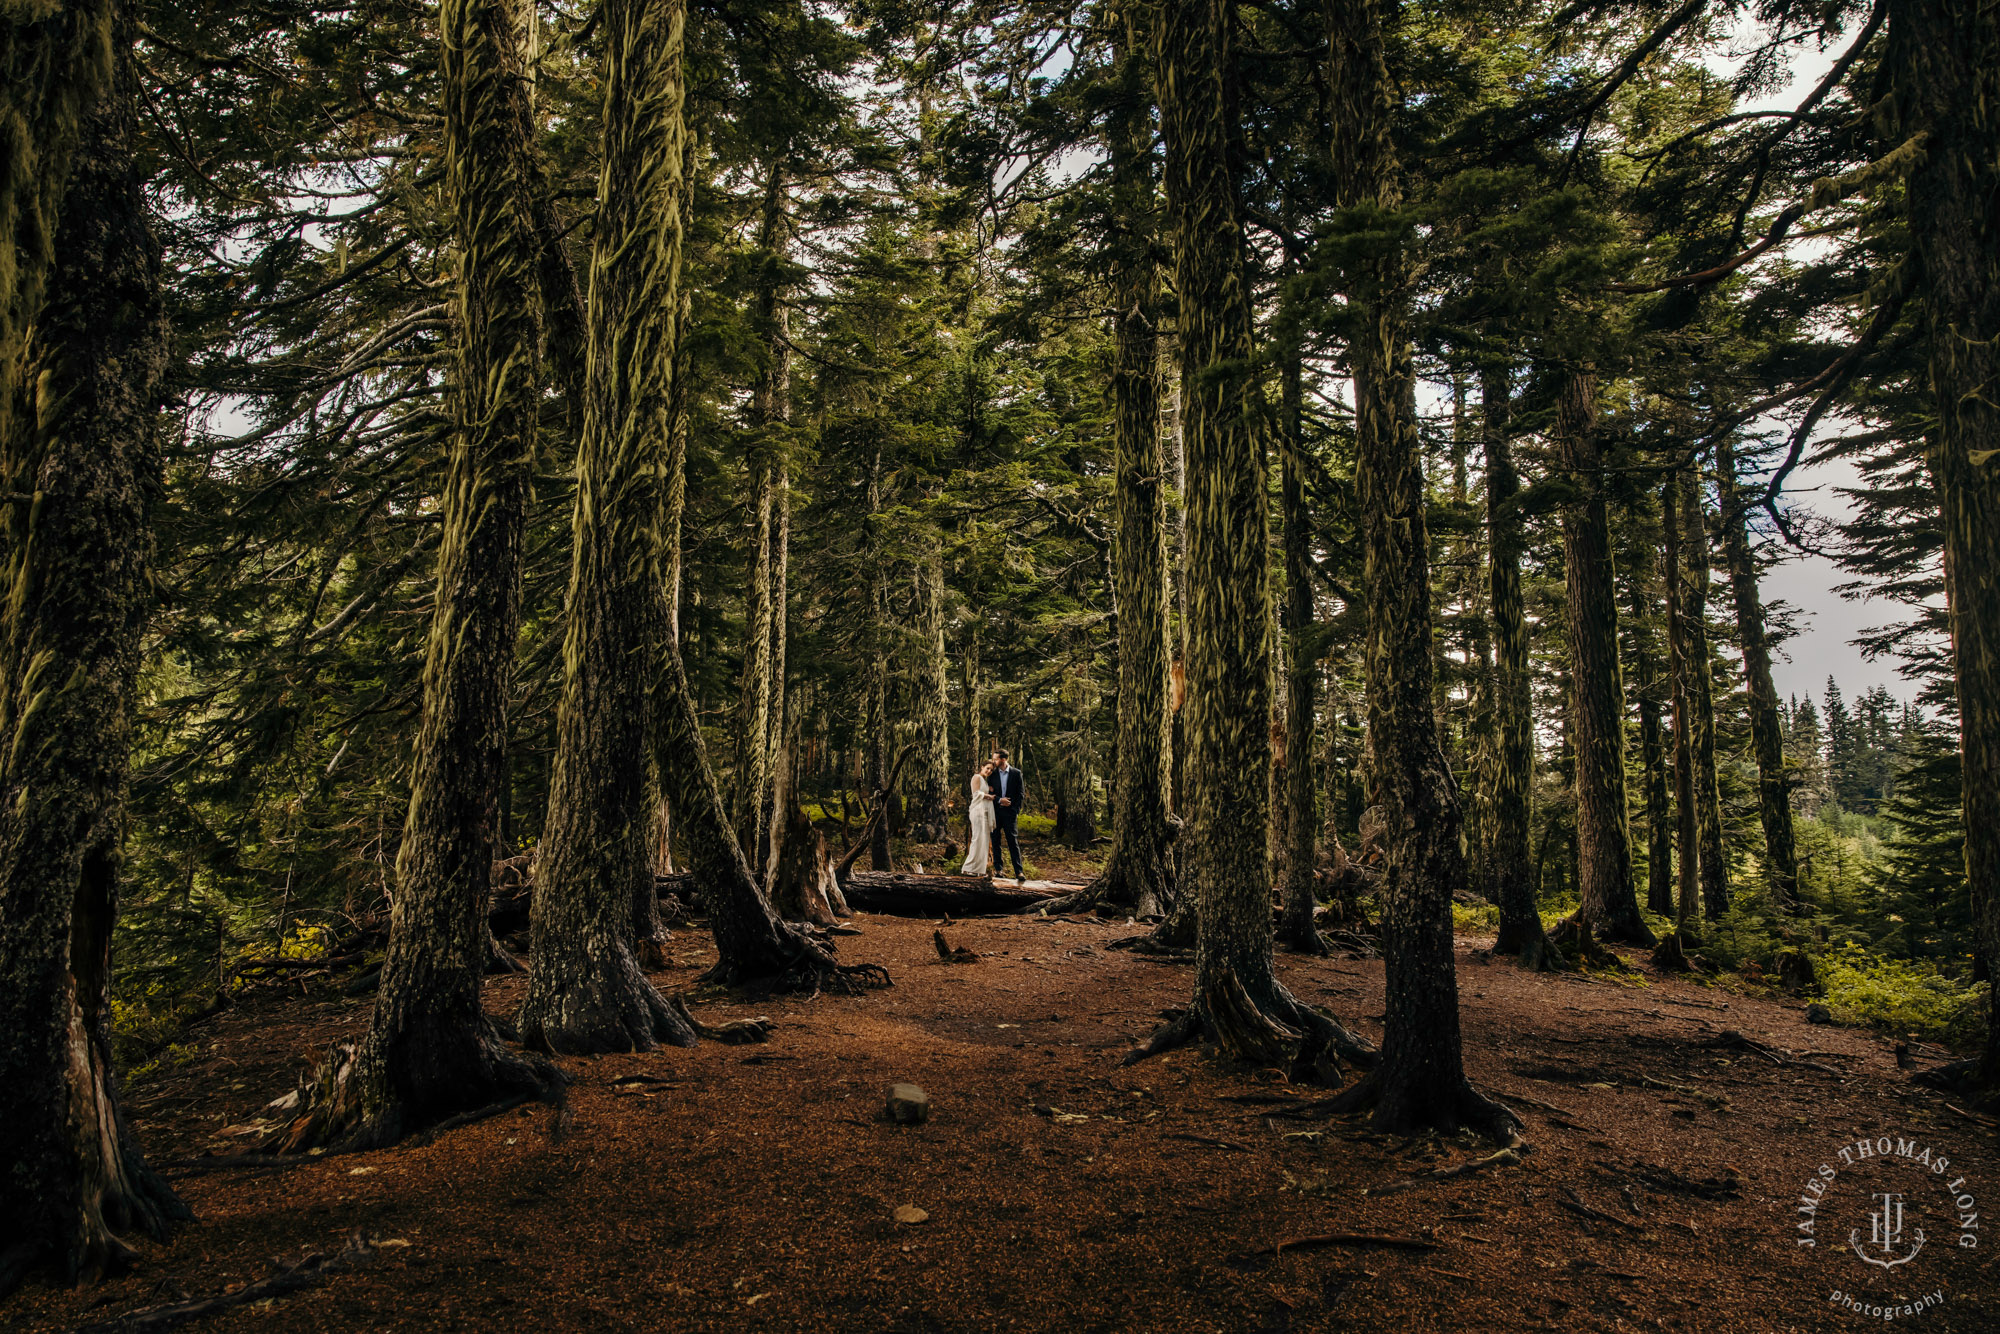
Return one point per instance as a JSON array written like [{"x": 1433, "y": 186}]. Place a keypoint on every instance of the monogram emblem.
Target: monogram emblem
[{"x": 1885, "y": 1234}]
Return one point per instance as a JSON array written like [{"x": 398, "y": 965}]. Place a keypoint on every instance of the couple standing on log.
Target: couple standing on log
[{"x": 995, "y": 804}]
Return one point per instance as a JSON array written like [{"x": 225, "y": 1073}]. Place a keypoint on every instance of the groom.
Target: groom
[{"x": 1007, "y": 788}]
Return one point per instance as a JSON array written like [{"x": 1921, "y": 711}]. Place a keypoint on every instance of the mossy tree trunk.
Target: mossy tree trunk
[
  {"x": 1509, "y": 777},
  {"x": 85, "y": 446},
  {"x": 1420, "y": 1080},
  {"x": 430, "y": 1051},
  {"x": 1946, "y": 60},
  {"x": 753, "y": 703},
  {"x": 875, "y": 702},
  {"x": 585, "y": 990},
  {"x": 760, "y": 706},
  {"x": 1606, "y": 905},
  {"x": 1767, "y": 736},
  {"x": 1225, "y": 866},
  {"x": 1139, "y": 872}
]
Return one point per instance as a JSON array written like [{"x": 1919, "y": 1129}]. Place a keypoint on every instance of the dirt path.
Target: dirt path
[{"x": 754, "y": 1189}]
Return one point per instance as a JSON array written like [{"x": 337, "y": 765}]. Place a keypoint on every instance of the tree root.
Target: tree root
[
  {"x": 1174, "y": 936},
  {"x": 1579, "y": 945},
  {"x": 1461, "y": 1108},
  {"x": 1285, "y": 1033},
  {"x": 305, "y": 1273},
  {"x": 1538, "y": 956},
  {"x": 353, "y": 1101},
  {"x": 1303, "y": 938},
  {"x": 802, "y": 965},
  {"x": 735, "y": 1033}
]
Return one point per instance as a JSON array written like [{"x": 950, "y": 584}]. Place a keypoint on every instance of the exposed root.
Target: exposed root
[
  {"x": 1671, "y": 954},
  {"x": 1173, "y": 937},
  {"x": 735, "y": 1033},
  {"x": 1460, "y": 1108},
  {"x": 1178, "y": 1031},
  {"x": 1285, "y": 1033},
  {"x": 1305, "y": 941},
  {"x": 1361, "y": 946},
  {"x": 305, "y": 1273},
  {"x": 498, "y": 960},
  {"x": 807, "y": 966},
  {"x": 1958, "y": 1077},
  {"x": 950, "y": 954},
  {"x": 354, "y": 1100},
  {"x": 1579, "y": 945},
  {"x": 1538, "y": 956}
]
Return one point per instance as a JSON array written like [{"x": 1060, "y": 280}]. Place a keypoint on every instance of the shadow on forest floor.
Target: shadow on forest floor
[{"x": 755, "y": 1188}]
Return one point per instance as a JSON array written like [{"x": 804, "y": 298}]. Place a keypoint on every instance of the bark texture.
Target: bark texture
[
  {"x": 1699, "y": 671},
  {"x": 1509, "y": 774},
  {"x": 1945, "y": 57},
  {"x": 1646, "y": 689},
  {"x": 431, "y": 1052},
  {"x": 77, "y": 558},
  {"x": 1298, "y": 791},
  {"x": 1225, "y": 867},
  {"x": 1687, "y": 841},
  {"x": 1139, "y": 872},
  {"x": 927, "y": 810},
  {"x": 1767, "y": 736},
  {"x": 1606, "y": 905},
  {"x": 586, "y": 991},
  {"x": 1420, "y": 1080}
]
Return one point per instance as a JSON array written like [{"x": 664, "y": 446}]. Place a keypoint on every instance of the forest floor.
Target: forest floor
[{"x": 755, "y": 1188}]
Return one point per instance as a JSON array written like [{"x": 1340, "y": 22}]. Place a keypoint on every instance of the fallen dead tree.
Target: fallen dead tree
[{"x": 902, "y": 894}]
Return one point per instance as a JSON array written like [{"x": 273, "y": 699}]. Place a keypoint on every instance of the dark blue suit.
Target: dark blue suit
[{"x": 1007, "y": 784}]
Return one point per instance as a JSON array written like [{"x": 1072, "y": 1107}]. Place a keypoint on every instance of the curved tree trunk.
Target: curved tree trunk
[
  {"x": 1945, "y": 55},
  {"x": 1509, "y": 779},
  {"x": 1774, "y": 791},
  {"x": 431, "y": 1052},
  {"x": 77, "y": 584},
  {"x": 586, "y": 991},
  {"x": 1606, "y": 903}
]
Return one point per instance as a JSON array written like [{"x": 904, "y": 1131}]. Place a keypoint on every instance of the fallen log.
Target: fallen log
[{"x": 902, "y": 894}]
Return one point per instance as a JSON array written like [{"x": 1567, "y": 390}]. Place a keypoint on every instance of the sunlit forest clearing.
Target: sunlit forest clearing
[{"x": 964, "y": 667}]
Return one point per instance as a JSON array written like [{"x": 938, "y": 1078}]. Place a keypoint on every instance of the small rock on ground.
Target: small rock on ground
[{"x": 908, "y": 1104}]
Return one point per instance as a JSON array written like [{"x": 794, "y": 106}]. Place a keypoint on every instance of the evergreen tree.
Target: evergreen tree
[{"x": 1921, "y": 877}]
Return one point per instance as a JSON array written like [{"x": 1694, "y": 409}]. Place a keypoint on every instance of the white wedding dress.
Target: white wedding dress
[{"x": 979, "y": 850}]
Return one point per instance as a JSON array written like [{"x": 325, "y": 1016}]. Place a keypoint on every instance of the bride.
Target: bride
[{"x": 980, "y": 808}]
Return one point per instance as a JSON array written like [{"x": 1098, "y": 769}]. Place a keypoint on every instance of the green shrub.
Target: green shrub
[
  {"x": 1475, "y": 919},
  {"x": 1909, "y": 999}
]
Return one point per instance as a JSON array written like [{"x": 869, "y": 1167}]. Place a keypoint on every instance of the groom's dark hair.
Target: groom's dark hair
[{"x": 1001, "y": 753}]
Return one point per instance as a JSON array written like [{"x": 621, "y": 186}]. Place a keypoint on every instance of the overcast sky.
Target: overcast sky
[{"x": 1828, "y": 622}]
